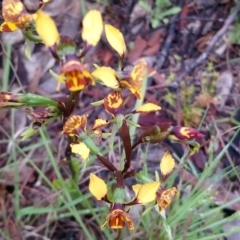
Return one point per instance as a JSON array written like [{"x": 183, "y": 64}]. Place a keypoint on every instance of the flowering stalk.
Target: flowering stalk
[
  {"x": 8, "y": 100},
  {"x": 83, "y": 140}
]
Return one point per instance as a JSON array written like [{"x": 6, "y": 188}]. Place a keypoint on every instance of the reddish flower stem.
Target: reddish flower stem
[
  {"x": 107, "y": 163},
  {"x": 70, "y": 104},
  {"x": 119, "y": 179}
]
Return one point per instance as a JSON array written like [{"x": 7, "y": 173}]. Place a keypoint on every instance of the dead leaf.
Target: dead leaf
[{"x": 139, "y": 46}]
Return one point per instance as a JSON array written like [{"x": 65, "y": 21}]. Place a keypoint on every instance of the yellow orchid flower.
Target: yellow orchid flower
[
  {"x": 147, "y": 108},
  {"x": 15, "y": 16},
  {"x": 135, "y": 78},
  {"x": 74, "y": 124},
  {"x": 76, "y": 76},
  {"x": 117, "y": 219},
  {"x": 113, "y": 103}
]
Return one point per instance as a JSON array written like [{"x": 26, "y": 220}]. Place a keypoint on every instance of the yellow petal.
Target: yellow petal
[
  {"x": 107, "y": 76},
  {"x": 99, "y": 122},
  {"x": 97, "y": 187},
  {"x": 167, "y": 164},
  {"x": 15, "y": 16},
  {"x": 136, "y": 188},
  {"x": 115, "y": 39},
  {"x": 147, "y": 108},
  {"x": 8, "y": 27},
  {"x": 46, "y": 29},
  {"x": 147, "y": 192},
  {"x": 12, "y": 10},
  {"x": 134, "y": 83},
  {"x": 92, "y": 27},
  {"x": 113, "y": 103},
  {"x": 80, "y": 149},
  {"x": 139, "y": 71},
  {"x": 75, "y": 124},
  {"x": 137, "y": 92}
]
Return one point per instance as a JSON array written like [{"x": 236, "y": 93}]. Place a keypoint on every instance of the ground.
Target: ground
[{"x": 192, "y": 51}]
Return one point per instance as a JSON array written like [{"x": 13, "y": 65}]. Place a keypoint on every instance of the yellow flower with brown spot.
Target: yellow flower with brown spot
[
  {"x": 15, "y": 16},
  {"x": 184, "y": 133},
  {"x": 118, "y": 218},
  {"x": 134, "y": 78},
  {"x": 113, "y": 103},
  {"x": 46, "y": 29},
  {"x": 99, "y": 122},
  {"x": 75, "y": 74},
  {"x": 92, "y": 27},
  {"x": 74, "y": 125},
  {"x": 131, "y": 79},
  {"x": 165, "y": 196},
  {"x": 147, "y": 108}
]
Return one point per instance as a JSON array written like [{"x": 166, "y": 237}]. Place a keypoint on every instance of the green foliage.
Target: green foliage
[
  {"x": 234, "y": 35},
  {"x": 162, "y": 10}
]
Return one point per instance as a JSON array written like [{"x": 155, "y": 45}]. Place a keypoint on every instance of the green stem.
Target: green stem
[{"x": 32, "y": 37}]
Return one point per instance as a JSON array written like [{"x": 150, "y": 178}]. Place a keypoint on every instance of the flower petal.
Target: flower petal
[
  {"x": 14, "y": 11},
  {"x": 117, "y": 218},
  {"x": 164, "y": 197},
  {"x": 167, "y": 164},
  {"x": 74, "y": 124},
  {"x": 15, "y": 16},
  {"x": 92, "y": 27},
  {"x": 136, "y": 188},
  {"x": 147, "y": 108},
  {"x": 184, "y": 133},
  {"x": 80, "y": 149},
  {"x": 113, "y": 103},
  {"x": 9, "y": 27},
  {"x": 115, "y": 39},
  {"x": 147, "y": 192},
  {"x": 99, "y": 122},
  {"x": 76, "y": 76},
  {"x": 97, "y": 187},
  {"x": 135, "y": 78},
  {"x": 46, "y": 29},
  {"x": 107, "y": 76}
]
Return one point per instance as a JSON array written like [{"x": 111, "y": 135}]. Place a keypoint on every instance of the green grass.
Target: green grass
[{"x": 194, "y": 214}]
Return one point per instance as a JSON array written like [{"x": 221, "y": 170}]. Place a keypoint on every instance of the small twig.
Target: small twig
[
  {"x": 164, "y": 52},
  {"x": 205, "y": 19},
  {"x": 211, "y": 44}
]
